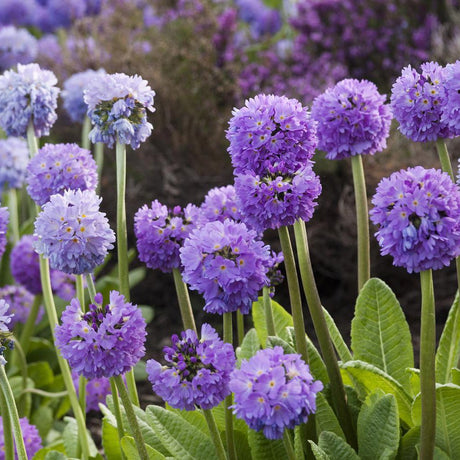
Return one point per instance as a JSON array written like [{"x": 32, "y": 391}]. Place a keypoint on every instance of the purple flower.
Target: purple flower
[
  {"x": 73, "y": 233},
  {"x": 20, "y": 302},
  {"x": 451, "y": 107},
  {"x": 72, "y": 93},
  {"x": 117, "y": 106},
  {"x": 58, "y": 167},
  {"x": 160, "y": 233},
  {"x": 274, "y": 391},
  {"x": 5, "y": 317},
  {"x": 32, "y": 440},
  {"x": 14, "y": 156},
  {"x": 353, "y": 119},
  {"x": 28, "y": 95},
  {"x": 227, "y": 263},
  {"x": 261, "y": 19},
  {"x": 417, "y": 212},
  {"x": 197, "y": 370},
  {"x": 106, "y": 341},
  {"x": 16, "y": 46},
  {"x": 96, "y": 391},
  {"x": 63, "y": 285},
  {"x": 269, "y": 129},
  {"x": 4, "y": 218},
  {"x": 417, "y": 100},
  {"x": 219, "y": 204},
  {"x": 277, "y": 198}
]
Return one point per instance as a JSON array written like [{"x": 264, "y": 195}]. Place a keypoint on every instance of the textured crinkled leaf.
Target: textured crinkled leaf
[
  {"x": 318, "y": 452},
  {"x": 409, "y": 441},
  {"x": 455, "y": 376},
  {"x": 41, "y": 373},
  {"x": 43, "y": 419},
  {"x": 379, "y": 332},
  {"x": 325, "y": 417},
  {"x": 337, "y": 339},
  {"x": 70, "y": 437},
  {"x": 44, "y": 451},
  {"x": 129, "y": 448},
  {"x": 414, "y": 378},
  {"x": 335, "y": 447},
  {"x": 249, "y": 347},
  {"x": 263, "y": 448},
  {"x": 219, "y": 415},
  {"x": 55, "y": 455},
  {"x": 110, "y": 441},
  {"x": 194, "y": 417}
]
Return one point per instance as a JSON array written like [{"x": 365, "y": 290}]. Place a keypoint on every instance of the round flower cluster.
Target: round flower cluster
[
  {"x": 63, "y": 285},
  {"x": 58, "y": 167},
  {"x": 451, "y": 109},
  {"x": 274, "y": 391},
  {"x": 32, "y": 440},
  {"x": 4, "y": 218},
  {"x": 219, "y": 204},
  {"x": 72, "y": 233},
  {"x": 106, "y": 341},
  {"x": 262, "y": 19},
  {"x": 269, "y": 129},
  {"x": 17, "y": 46},
  {"x": 353, "y": 119},
  {"x": 14, "y": 156},
  {"x": 160, "y": 233},
  {"x": 96, "y": 391},
  {"x": 418, "y": 214},
  {"x": 227, "y": 263},
  {"x": 28, "y": 95},
  {"x": 418, "y": 99},
  {"x": 117, "y": 105},
  {"x": 197, "y": 370},
  {"x": 20, "y": 302},
  {"x": 72, "y": 93}
]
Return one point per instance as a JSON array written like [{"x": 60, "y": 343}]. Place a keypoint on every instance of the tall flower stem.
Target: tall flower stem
[
  {"x": 427, "y": 366},
  {"x": 288, "y": 446},
  {"x": 99, "y": 157},
  {"x": 32, "y": 140},
  {"x": 91, "y": 286},
  {"x": 12, "y": 414},
  {"x": 322, "y": 332},
  {"x": 228, "y": 338},
  {"x": 29, "y": 326},
  {"x": 131, "y": 416},
  {"x": 240, "y": 327},
  {"x": 268, "y": 311},
  {"x": 362, "y": 218},
  {"x": 86, "y": 128},
  {"x": 183, "y": 298},
  {"x": 8, "y": 441},
  {"x": 294, "y": 292},
  {"x": 215, "y": 436},
  {"x": 116, "y": 406},
  {"x": 81, "y": 380},
  {"x": 14, "y": 216}
]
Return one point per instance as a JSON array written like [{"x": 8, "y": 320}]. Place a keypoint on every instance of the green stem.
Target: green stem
[
  {"x": 14, "y": 216},
  {"x": 294, "y": 292},
  {"x": 319, "y": 323},
  {"x": 45, "y": 394},
  {"x": 8, "y": 442},
  {"x": 82, "y": 394},
  {"x": 116, "y": 406},
  {"x": 362, "y": 219},
  {"x": 29, "y": 327},
  {"x": 91, "y": 286},
  {"x": 444, "y": 158},
  {"x": 79, "y": 284},
  {"x": 12, "y": 412},
  {"x": 268, "y": 312},
  {"x": 20, "y": 361},
  {"x": 289, "y": 446},
  {"x": 99, "y": 157},
  {"x": 240, "y": 327},
  {"x": 86, "y": 128},
  {"x": 131, "y": 416},
  {"x": 215, "y": 436},
  {"x": 427, "y": 367},
  {"x": 183, "y": 298},
  {"x": 81, "y": 381},
  {"x": 32, "y": 140},
  {"x": 228, "y": 338}
]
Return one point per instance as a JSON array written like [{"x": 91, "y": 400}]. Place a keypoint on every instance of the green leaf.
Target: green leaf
[
  {"x": 41, "y": 373},
  {"x": 70, "y": 437},
  {"x": 378, "y": 427},
  {"x": 43, "y": 419},
  {"x": 325, "y": 417},
  {"x": 379, "y": 332},
  {"x": 181, "y": 438},
  {"x": 263, "y": 448},
  {"x": 140, "y": 374},
  {"x": 318, "y": 452},
  {"x": 129, "y": 448},
  {"x": 55, "y": 455},
  {"x": 335, "y": 447},
  {"x": 447, "y": 417},
  {"x": 148, "y": 312},
  {"x": 136, "y": 275},
  {"x": 275, "y": 341},
  {"x": 42, "y": 453},
  {"x": 448, "y": 353},
  {"x": 409, "y": 441},
  {"x": 456, "y": 376},
  {"x": 249, "y": 347},
  {"x": 337, "y": 339},
  {"x": 25, "y": 402},
  {"x": 110, "y": 441},
  {"x": 366, "y": 378}
]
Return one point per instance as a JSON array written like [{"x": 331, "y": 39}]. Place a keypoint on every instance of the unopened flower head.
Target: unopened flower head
[
  {"x": 59, "y": 167},
  {"x": 20, "y": 302},
  {"x": 14, "y": 156},
  {"x": 417, "y": 212},
  {"x": 106, "y": 341},
  {"x": 73, "y": 233},
  {"x": 4, "y": 218},
  {"x": 352, "y": 118},
  {"x": 28, "y": 95},
  {"x": 197, "y": 371},
  {"x": 30, "y": 435},
  {"x": 451, "y": 108},
  {"x": 117, "y": 106},
  {"x": 274, "y": 391},
  {"x": 17, "y": 46}
]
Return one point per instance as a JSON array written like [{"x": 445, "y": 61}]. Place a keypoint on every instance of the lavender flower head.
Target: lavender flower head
[
  {"x": 14, "y": 156},
  {"x": 278, "y": 197},
  {"x": 63, "y": 285},
  {"x": 160, "y": 233},
  {"x": 20, "y": 302},
  {"x": 5, "y": 317},
  {"x": 106, "y": 341},
  {"x": 417, "y": 100},
  {"x": 17, "y": 46},
  {"x": 451, "y": 107},
  {"x": 32, "y": 440},
  {"x": 72, "y": 93},
  {"x": 58, "y": 167},
  {"x": 28, "y": 95},
  {"x": 96, "y": 391},
  {"x": 353, "y": 119},
  {"x": 274, "y": 391},
  {"x": 73, "y": 233},
  {"x": 117, "y": 106},
  {"x": 417, "y": 212},
  {"x": 4, "y": 218},
  {"x": 227, "y": 263},
  {"x": 269, "y": 129},
  {"x": 219, "y": 204},
  {"x": 197, "y": 370}
]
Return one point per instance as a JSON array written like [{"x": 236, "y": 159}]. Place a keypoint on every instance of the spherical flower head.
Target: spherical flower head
[
  {"x": 274, "y": 273},
  {"x": 63, "y": 285},
  {"x": 278, "y": 197},
  {"x": 73, "y": 233},
  {"x": 417, "y": 212},
  {"x": 451, "y": 107},
  {"x": 96, "y": 391},
  {"x": 4, "y": 218},
  {"x": 417, "y": 100},
  {"x": 269, "y": 129},
  {"x": 160, "y": 233},
  {"x": 17, "y": 46},
  {"x": 28, "y": 95},
  {"x": 197, "y": 371},
  {"x": 20, "y": 302},
  {"x": 58, "y": 167},
  {"x": 274, "y": 391},
  {"x": 104, "y": 342},
  {"x": 32, "y": 440},
  {"x": 353, "y": 119},
  {"x": 25, "y": 264},
  {"x": 14, "y": 156},
  {"x": 219, "y": 204},
  {"x": 72, "y": 93},
  {"x": 227, "y": 263},
  {"x": 117, "y": 105}
]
